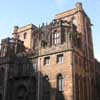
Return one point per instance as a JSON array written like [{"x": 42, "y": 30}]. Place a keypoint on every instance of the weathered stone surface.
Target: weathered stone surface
[{"x": 70, "y": 77}]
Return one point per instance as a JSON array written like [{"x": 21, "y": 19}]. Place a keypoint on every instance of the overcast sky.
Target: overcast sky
[{"x": 22, "y": 12}]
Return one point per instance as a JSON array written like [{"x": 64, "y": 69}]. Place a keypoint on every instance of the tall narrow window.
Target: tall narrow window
[
  {"x": 56, "y": 38},
  {"x": 25, "y": 34},
  {"x": 60, "y": 58},
  {"x": 60, "y": 83},
  {"x": 76, "y": 59},
  {"x": 79, "y": 43}
]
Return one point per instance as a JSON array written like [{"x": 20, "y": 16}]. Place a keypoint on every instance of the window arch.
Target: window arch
[{"x": 60, "y": 83}]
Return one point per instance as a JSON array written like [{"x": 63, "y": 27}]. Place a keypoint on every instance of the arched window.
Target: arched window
[
  {"x": 25, "y": 34},
  {"x": 60, "y": 83}
]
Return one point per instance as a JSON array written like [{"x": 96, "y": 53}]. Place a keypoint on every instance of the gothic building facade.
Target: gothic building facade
[{"x": 50, "y": 62}]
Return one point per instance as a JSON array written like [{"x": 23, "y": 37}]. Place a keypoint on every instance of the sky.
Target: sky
[{"x": 22, "y": 12}]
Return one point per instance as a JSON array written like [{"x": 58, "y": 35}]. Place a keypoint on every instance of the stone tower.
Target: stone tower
[
  {"x": 25, "y": 34},
  {"x": 68, "y": 63}
]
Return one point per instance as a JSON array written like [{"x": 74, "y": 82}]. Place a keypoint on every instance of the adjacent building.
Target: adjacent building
[{"x": 97, "y": 66}]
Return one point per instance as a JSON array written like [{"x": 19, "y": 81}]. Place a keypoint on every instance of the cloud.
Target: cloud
[
  {"x": 97, "y": 56},
  {"x": 59, "y": 2}
]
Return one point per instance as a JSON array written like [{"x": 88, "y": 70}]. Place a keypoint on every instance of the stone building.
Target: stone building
[{"x": 50, "y": 62}]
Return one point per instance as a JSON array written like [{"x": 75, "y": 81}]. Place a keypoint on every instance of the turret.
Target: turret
[{"x": 15, "y": 31}]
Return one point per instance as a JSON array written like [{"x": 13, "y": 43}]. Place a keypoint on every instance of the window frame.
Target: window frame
[
  {"x": 60, "y": 59},
  {"x": 47, "y": 60},
  {"x": 56, "y": 38},
  {"x": 60, "y": 83}
]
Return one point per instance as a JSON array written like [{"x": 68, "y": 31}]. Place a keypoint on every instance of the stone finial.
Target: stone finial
[
  {"x": 15, "y": 29},
  {"x": 79, "y": 6}
]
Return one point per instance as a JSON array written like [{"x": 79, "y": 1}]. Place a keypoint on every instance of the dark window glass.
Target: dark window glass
[
  {"x": 25, "y": 34},
  {"x": 79, "y": 43}
]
